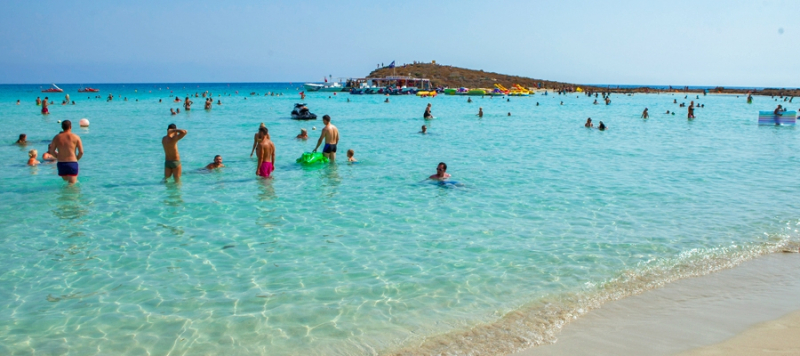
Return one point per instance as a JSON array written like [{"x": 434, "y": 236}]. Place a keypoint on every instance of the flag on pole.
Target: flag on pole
[{"x": 391, "y": 65}]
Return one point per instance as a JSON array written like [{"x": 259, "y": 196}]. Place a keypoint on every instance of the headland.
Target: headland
[{"x": 454, "y": 77}]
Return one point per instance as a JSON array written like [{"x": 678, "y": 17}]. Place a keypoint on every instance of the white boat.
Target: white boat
[{"x": 332, "y": 86}]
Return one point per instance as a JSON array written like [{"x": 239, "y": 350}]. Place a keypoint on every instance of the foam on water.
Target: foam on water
[{"x": 547, "y": 221}]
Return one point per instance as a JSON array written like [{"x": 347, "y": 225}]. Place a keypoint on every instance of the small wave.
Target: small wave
[{"x": 539, "y": 322}]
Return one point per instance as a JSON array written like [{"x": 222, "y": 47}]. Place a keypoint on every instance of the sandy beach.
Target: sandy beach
[
  {"x": 748, "y": 310},
  {"x": 775, "y": 337}
]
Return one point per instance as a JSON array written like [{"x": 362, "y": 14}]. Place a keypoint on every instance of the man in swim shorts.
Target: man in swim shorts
[
  {"x": 266, "y": 155},
  {"x": 331, "y": 135},
  {"x": 441, "y": 172},
  {"x": 63, "y": 148},
  {"x": 45, "y": 111},
  {"x": 172, "y": 160}
]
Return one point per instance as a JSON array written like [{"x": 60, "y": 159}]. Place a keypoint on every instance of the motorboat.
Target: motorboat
[
  {"x": 54, "y": 89},
  {"x": 88, "y": 90},
  {"x": 323, "y": 87},
  {"x": 301, "y": 112}
]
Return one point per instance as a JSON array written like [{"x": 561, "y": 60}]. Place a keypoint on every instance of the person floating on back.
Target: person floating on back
[
  {"x": 63, "y": 148},
  {"x": 172, "y": 160},
  {"x": 331, "y": 136}
]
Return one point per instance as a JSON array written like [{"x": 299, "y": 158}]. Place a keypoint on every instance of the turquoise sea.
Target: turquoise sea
[{"x": 547, "y": 221}]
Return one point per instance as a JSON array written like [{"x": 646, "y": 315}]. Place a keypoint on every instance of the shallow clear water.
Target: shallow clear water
[{"x": 368, "y": 257}]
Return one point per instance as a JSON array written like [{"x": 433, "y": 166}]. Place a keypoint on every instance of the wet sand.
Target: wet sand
[{"x": 709, "y": 315}]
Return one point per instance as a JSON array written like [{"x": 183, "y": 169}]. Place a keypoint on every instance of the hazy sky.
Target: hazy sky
[{"x": 744, "y": 43}]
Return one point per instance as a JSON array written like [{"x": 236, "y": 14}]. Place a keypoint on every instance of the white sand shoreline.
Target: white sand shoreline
[{"x": 686, "y": 314}]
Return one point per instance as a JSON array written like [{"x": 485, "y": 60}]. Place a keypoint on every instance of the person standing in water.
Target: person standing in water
[
  {"x": 172, "y": 160},
  {"x": 480, "y": 112},
  {"x": 45, "y": 111},
  {"x": 187, "y": 105},
  {"x": 690, "y": 112},
  {"x": 645, "y": 115},
  {"x": 331, "y": 135},
  {"x": 427, "y": 114},
  {"x": 266, "y": 155},
  {"x": 257, "y": 139},
  {"x": 63, "y": 148}
]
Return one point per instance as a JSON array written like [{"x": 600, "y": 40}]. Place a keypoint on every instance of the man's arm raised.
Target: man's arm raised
[{"x": 181, "y": 134}]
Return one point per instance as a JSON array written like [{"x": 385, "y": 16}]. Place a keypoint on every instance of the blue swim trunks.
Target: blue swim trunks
[
  {"x": 329, "y": 148},
  {"x": 67, "y": 169}
]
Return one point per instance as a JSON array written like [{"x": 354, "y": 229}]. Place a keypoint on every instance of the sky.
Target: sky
[{"x": 725, "y": 43}]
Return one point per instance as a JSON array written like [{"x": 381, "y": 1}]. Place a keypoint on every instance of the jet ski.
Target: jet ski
[{"x": 301, "y": 112}]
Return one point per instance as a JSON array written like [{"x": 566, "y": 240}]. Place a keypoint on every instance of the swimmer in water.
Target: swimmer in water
[
  {"x": 602, "y": 126},
  {"x": 509, "y": 114},
  {"x": 46, "y": 156},
  {"x": 303, "y": 135},
  {"x": 588, "y": 123},
  {"x": 595, "y": 102},
  {"x": 216, "y": 164},
  {"x": 32, "y": 157},
  {"x": 386, "y": 101},
  {"x": 17, "y": 101},
  {"x": 219, "y": 102},
  {"x": 187, "y": 105},
  {"x": 172, "y": 111},
  {"x": 469, "y": 100},
  {"x": 424, "y": 130},
  {"x": 427, "y": 114},
  {"x": 480, "y": 112},
  {"x": 441, "y": 172},
  {"x": 645, "y": 115},
  {"x": 45, "y": 110},
  {"x": 350, "y": 156},
  {"x": 22, "y": 140}
]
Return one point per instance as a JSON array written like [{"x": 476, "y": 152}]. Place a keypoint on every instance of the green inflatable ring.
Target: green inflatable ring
[{"x": 309, "y": 158}]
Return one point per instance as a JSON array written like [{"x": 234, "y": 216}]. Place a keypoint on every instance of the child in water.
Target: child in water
[
  {"x": 350, "y": 157},
  {"x": 32, "y": 158}
]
